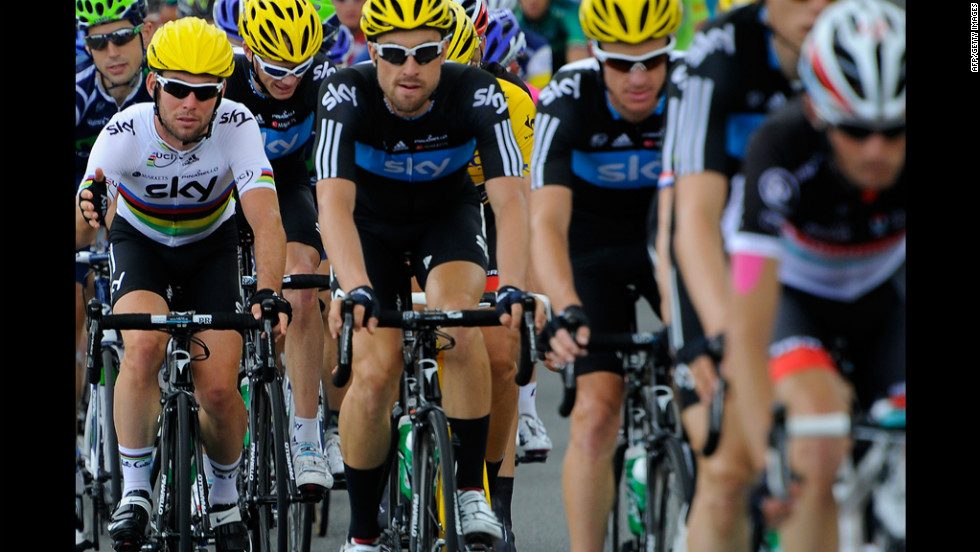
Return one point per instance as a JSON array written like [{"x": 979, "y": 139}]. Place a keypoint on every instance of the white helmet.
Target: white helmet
[{"x": 852, "y": 63}]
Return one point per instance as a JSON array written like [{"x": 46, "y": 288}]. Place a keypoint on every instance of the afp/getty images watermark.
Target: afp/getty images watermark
[{"x": 974, "y": 37}]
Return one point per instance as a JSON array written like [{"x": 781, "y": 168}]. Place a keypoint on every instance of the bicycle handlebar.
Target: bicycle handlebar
[{"x": 430, "y": 319}]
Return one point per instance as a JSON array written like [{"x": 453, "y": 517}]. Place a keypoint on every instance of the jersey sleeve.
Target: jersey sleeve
[
  {"x": 700, "y": 141},
  {"x": 551, "y": 157},
  {"x": 484, "y": 108},
  {"x": 763, "y": 196},
  {"x": 116, "y": 151},
  {"x": 522, "y": 115},
  {"x": 336, "y": 123},
  {"x": 676, "y": 80},
  {"x": 246, "y": 150}
]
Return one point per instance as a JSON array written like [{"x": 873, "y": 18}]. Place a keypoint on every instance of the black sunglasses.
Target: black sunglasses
[
  {"x": 180, "y": 89},
  {"x": 862, "y": 133},
  {"x": 626, "y": 64},
  {"x": 119, "y": 38},
  {"x": 396, "y": 54}
]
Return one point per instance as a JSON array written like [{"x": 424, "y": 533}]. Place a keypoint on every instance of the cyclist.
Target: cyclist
[
  {"x": 556, "y": 24},
  {"x": 167, "y": 169},
  {"x": 158, "y": 13},
  {"x": 196, "y": 8},
  {"x": 111, "y": 31},
  {"x": 395, "y": 137},
  {"x": 818, "y": 257},
  {"x": 337, "y": 39},
  {"x": 277, "y": 76},
  {"x": 503, "y": 346},
  {"x": 225, "y": 17},
  {"x": 740, "y": 66},
  {"x": 349, "y": 14},
  {"x": 593, "y": 180}
]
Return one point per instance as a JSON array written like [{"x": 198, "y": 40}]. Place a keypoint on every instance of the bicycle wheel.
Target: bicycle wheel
[
  {"x": 283, "y": 472},
  {"x": 435, "y": 514},
  {"x": 261, "y": 518},
  {"x": 182, "y": 474},
  {"x": 110, "y": 363},
  {"x": 619, "y": 537},
  {"x": 670, "y": 490},
  {"x": 323, "y": 519},
  {"x": 301, "y": 518}
]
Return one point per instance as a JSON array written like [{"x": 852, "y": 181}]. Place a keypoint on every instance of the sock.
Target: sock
[
  {"x": 305, "y": 430},
  {"x": 493, "y": 468},
  {"x": 470, "y": 451},
  {"x": 135, "y": 467},
  {"x": 224, "y": 489},
  {"x": 526, "y": 403},
  {"x": 501, "y": 498},
  {"x": 364, "y": 497}
]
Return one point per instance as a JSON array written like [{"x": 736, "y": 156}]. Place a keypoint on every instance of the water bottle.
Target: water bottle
[
  {"x": 243, "y": 386},
  {"x": 405, "y": 456},
  {"x": 636, "y": 486}
]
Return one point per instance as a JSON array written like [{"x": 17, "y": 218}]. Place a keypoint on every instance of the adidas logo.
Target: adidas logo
[
  {"x": 400, "y": 146},
  {"x": 622, "y": 142}
]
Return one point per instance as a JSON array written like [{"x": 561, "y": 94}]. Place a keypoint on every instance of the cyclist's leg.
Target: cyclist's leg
[
  {"x": 334, "y": 395},
  {"x": 304, "y": 342}
]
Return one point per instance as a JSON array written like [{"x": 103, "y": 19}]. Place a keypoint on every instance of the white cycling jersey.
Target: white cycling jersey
[{"x": 179, "y": 197}]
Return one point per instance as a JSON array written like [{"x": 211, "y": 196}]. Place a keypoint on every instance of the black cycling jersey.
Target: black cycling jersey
[
  {"x": 287, "y": 131},
  {"x": 407, "y": 170},
  {"x": 729, "y": 81},
  {"x": 611, "y": 165},
  {"x": 832, "y": 239}
]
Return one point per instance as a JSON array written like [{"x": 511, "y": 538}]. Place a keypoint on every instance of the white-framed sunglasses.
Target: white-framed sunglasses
[
  {"x": 396, "y": 54},
  {"x": 277, "y": 72},
  {"x": 628, "y": 64}
]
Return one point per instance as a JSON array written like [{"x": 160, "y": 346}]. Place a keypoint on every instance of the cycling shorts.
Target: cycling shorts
[
  {"x": 864, "y": 340},
  {"x": 608, "y": 282},
  {"x": 456, "y": 235},
  {"x": 206, "y": 271}
]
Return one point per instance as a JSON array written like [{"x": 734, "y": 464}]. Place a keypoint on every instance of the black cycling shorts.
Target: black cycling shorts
[
  {"x": 206, "y": 271},
  {"x": 455, "y": 235},
  {"x": 609, "y": 281}
]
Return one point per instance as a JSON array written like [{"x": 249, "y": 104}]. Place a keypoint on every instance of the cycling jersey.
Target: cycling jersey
[
  {"x": 832, "y": 240},
  {"x": 611, "y": 165},
  {"x": 407, "y": 169},
  {"x": 93, "y": 109},
  {"x": 179, "y": 197},
  {"x": 559, "y": 25},
  {"x": 287, "y": 129},
  {"x": 731, "y": 81}
]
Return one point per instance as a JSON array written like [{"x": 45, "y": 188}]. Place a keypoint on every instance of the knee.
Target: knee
[
  {"x": 817, "y": 461},
  {"x": 220, "y": 399},
  {"x": 143, "y": 356},
  {"x": 595, "y": 425},
  {"x": 305, "y": 304},
  {"x": 375, "y": 386}
]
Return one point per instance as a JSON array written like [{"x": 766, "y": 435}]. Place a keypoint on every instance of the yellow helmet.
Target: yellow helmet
[
  {"x": 192, "y": 45},
  {"x": 381, "y": 16},
  {"x": 631, "y": 21},
  {"x": 464, "y": 39},
  {"x": 281, "y": 30}
]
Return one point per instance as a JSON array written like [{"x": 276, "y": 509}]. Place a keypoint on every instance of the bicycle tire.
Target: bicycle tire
[
  {"x": 669, "y": 492},
  {"x": 182, "y": 476},
  {"x": 301, "y": 518},
  {"x": 261, "y": 441},
  {"x": 435, "y": 519},
  {"x": 110, "y": 364},
  {"x": 618, "y": 525},
  {"x": 280, "y": 445},
  {"x": 323, "y": 520}
]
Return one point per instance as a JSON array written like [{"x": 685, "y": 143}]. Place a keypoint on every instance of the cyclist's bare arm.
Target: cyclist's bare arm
[
  {"x": 335, "y": 200},
  {"x": 551, "y": 213},
  {"x": 755, "y": 285},
  {"x": 261, "y": 209},
  {"x": 508, "y": 198},
  {"x": 699, "y": 200}
]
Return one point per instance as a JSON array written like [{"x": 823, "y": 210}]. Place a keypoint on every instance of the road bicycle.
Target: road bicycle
[
  {"x": 425, "y": 516},
  {"x": 101, "y": 482},
  {"x": 870, "y": 486},
  {"x": 279, "y": 516},
  {"x": 179, "y": 521},
  {"x": 653, "y": 466}
]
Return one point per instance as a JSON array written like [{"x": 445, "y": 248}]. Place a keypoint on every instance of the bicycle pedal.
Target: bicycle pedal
[
  {"x": 479, "y": 543},
  {"x": 314, "y": 494},
  {"x": 530, "y": 457}
]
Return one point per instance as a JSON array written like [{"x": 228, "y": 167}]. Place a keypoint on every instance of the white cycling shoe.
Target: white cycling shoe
[
  {"x": 476, "y": 517},
  {"x": 533, "y": 443}
]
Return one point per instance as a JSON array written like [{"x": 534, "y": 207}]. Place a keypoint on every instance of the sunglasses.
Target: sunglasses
[
  {"x": 628, "y": 64},
  {"x": 862, "y": 133},
  {"x": 280, "y": 73},
  {"x": 180, "y": 89},
  {"x": 119, "y": 38},
  {"x": 397, "y": 55}
]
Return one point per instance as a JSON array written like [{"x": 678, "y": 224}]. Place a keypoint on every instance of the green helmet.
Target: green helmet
[
  {"x": 324, "y": 8},
  {"x": 89, "y": 13}
]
